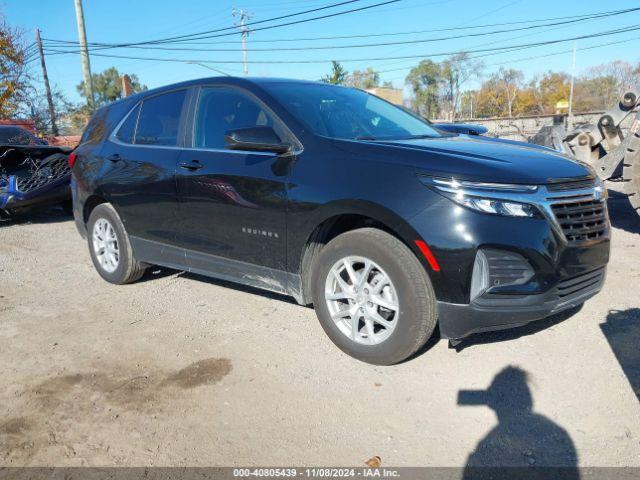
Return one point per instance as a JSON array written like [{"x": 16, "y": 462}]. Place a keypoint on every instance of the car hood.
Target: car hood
[{"x": 480, "y": 158}]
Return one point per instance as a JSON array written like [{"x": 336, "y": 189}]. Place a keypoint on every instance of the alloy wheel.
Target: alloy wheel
[
  {"x": 105, "y": 245},
  {"x": 362, "y": 300}
]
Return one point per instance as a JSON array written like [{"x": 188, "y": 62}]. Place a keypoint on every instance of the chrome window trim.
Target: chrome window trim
[{"x": 114, "y": 139}]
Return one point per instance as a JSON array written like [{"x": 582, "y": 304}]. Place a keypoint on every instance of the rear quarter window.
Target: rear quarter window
[{"x": 127, "y": 130}]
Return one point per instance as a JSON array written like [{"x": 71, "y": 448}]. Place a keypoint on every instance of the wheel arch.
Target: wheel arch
[
  {"x": 90, "y": 203},
  {"x": 339, "y": 218}
]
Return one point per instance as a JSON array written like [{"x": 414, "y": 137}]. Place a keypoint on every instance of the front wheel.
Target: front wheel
[{"x": 373, "y": 297}]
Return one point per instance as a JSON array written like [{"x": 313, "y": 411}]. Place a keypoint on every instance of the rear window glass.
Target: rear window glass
[
  {"x": 127, "y": 129},
  {"x": 159, "y": 119}
]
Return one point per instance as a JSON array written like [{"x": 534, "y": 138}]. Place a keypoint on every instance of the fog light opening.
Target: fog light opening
[{"x": 480, "y": 275}]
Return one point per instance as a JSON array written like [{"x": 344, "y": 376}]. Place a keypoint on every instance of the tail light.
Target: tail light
[{"x": 72, "y": 159}]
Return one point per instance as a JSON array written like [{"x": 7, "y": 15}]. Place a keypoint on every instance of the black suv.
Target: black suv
[{"x": 341, "y": 200}]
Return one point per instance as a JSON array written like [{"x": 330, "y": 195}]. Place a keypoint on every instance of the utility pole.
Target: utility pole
[
  {"x": 244, "y": 16},
  {"x": 84, "y": 54},
  {"x": 45, "y": 77},
  {"x": 573, "y": 74}
]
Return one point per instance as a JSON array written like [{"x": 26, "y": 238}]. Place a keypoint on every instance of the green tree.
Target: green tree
[
  {"x": 425, "y": 80},
  {"x": 337, "y": 76},
  {"x": 363, "y": 79},
  {"x": 107, "y": 86}
]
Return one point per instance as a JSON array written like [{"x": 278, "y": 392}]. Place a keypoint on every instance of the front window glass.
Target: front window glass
[
  {"x": 160, "y": 119},
  {"x": 348, "y": 113},
  {"x": 221, "y": 109}
]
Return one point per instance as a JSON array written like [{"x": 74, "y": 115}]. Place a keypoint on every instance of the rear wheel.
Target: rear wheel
[
  {"x": 373, "y": 297},
  {"x": 110, "y": 247}
]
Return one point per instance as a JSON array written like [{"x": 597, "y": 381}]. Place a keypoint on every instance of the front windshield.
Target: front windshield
[{"x": 348, "y": 113}]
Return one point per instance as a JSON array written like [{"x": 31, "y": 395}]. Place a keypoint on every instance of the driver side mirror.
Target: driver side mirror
[{"x": 258, "y": 139}]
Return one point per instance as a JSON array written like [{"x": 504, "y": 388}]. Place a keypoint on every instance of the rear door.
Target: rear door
[
  {"x": 232, "y": 203},
  {"x": 141, "y": 159}
]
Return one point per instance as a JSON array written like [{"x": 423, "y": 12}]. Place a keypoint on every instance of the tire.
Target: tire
[
  {"x": 126, "y": 269},
  {"x": 631, "y": 172},
  {"x": 409, "y": 290}
]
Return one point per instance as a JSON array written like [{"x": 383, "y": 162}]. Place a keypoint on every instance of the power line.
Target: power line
[
  {"x": 585, "y": 16},
  {"x": 535, "y": 57},
  {"x": 439, "y": 54},
  {"x": 402, "y": 42},
  {"x": 199, "y": 37}
]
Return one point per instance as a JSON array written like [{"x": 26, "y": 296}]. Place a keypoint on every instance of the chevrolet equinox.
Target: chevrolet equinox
[{"x": 387, "y": 225}]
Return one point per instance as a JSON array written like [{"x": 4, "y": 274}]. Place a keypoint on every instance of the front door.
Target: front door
[{"x": 233, "y": 203}]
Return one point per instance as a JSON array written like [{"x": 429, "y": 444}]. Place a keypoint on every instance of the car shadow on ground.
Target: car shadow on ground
[
  {"x": 525, "y": 444},
  {"x": 54, "y": 214},
  {"x": 622, "y": 331},
  {"x": 621, "y": 212},
  {"x": 517, "y": 332}
]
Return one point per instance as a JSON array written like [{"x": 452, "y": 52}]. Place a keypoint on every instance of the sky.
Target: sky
[{"x": 123, "y": 21}]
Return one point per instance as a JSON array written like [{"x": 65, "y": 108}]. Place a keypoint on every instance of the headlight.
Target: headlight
[{"x": 493, "y": 198}]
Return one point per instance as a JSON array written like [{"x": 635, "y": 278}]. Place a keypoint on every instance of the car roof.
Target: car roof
[{"x": 231, "y": 80}]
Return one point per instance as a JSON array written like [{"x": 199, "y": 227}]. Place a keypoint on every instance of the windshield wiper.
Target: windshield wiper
[
  {"x": 365, "y": 137},
  {"x": 415, "y": 137}
]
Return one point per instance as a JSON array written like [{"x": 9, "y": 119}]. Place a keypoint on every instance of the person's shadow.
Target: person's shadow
[{"x": 524, "y": 444}]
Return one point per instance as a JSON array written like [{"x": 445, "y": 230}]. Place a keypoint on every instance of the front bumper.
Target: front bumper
[
  {"x": 55, "y": 192},
  {"x": 564, "y": 271},
  {"x": 497, "y": 312}
]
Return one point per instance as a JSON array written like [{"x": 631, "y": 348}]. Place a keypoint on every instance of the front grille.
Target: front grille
[
  {"x": 571, "y": 185},
  {"x": 581, "y": 220},
  {"x": 576, "y": 286},
  {"x": 50, "y": 171}
]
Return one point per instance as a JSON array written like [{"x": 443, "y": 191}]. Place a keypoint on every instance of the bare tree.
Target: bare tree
[
  {"x": 363, "y": 79},
  {"x": 456, "y": 71},
  {"x": 510, "y": 82}
]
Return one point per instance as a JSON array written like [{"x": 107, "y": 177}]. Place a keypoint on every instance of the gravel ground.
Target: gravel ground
[{"x": 181, "y": 370}]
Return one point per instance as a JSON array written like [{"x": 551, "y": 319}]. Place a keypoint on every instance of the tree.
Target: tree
[
  {"x": 363, "y": 79},
  {"x": 490, "y": 99},
  {"x": 509, "y": 81},
  {"x": 337, "y": 76},
  {"x": 14, "y": 78},
  {"x": 425, "y": 80},
  {"x": 456, "y": 71},
  {"x": 602, "y": 85},
  {"x": 548, "y": 90},
  {"x": 595, "y": 93},
  {"x": 107, "y": 86}
]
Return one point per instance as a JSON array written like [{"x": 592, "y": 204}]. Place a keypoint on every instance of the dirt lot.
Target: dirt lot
[{"x": 181, "y": 370}]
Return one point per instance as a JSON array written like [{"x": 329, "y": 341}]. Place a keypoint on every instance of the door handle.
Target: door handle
[
  {"x": 114, "y": 158},
  {"x": 192, "y": 166}
]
